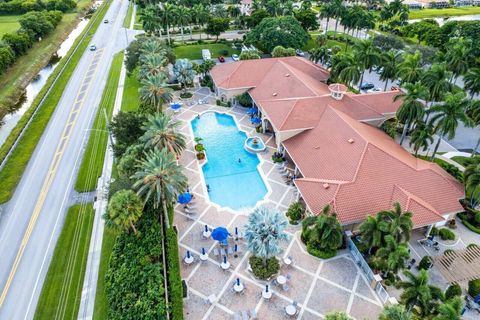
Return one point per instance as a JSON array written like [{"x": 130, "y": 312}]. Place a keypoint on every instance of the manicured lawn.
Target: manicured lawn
[
  {"x": 194, "y": 52},
  {"x": 447, "y": 12},
  {"x": 330, "y": 43},
  {"x": 92, "y": 163},
  {"x": 101, "y": 304},
  {"x": 128, "y": 17},
  {"x": 8, "y": 24},
  {"x": 62, "y": 290},
  {"x": 12, "y": 171},
  {"x": 130, "y": 98}
]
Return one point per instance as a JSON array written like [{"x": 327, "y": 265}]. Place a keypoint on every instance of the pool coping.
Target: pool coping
[{"x": 203, "y": 162}]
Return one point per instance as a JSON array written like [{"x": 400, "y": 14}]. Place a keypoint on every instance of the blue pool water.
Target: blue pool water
[{"x": 234, "y": 184}]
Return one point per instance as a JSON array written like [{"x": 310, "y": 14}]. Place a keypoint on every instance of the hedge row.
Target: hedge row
[
  {"x": 175, "y": 288},
  {"x": 22, "y": 6}
]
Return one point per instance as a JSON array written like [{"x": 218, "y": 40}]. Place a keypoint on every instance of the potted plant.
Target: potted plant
[{"x": 199, "y": 148}]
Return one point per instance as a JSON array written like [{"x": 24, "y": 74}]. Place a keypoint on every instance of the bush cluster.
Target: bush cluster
[
  {"x": 425, "y": 263},
  {"x": 446, "y": 234},
  {"x": 175, "y": 288},
  {"x": 474, "y": 287},
  {"x": 244, "y": 99},
  {"x": 23, "y": 6},
  {"x": 264, "y": 272},
  {"x": 295, "y": 212},
  {"x": 322, "y": 254},
  {"x": 453, "y": 290}
]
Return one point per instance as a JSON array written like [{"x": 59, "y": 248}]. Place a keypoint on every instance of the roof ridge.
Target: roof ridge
[
  {"x": 235, "y": 70},
  {"x": 432, "y": 165},
  {"x": 364, "y": 104},
  {"x": 295, "y": 72},
  {"x": 419, "y": 201},
  {"x": 288, "y": 114},
  {"x": 317, "y": 180}
]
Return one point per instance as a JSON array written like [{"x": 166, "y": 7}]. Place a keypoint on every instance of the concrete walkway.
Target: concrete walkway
[
  {"x": 134, "y": 14},
  {"x": 87, "y": 302}
]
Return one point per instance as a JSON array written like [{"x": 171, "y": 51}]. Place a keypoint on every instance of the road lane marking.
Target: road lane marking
[{"x": 72, "y": 118}]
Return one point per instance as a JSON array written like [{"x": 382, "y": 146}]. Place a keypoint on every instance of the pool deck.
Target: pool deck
[{"x": 318, "y": 286}]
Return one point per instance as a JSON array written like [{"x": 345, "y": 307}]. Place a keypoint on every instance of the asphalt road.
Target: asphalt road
[{"x": 32, "y": 220}]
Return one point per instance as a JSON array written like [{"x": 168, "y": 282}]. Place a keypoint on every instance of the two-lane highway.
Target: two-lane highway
[{"x": 33, "y": 219}]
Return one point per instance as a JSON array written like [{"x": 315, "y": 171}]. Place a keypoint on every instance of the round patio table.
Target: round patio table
[
  {"x": 281, "y": 280},
  {"x": 225, "y": 265},
  {"x": 238, "y": 288},
  {"x": 207, "y": 234},
  {"x": 266, "y": 295},
  {"x": 204, "y": 257},
  {"x": 287, "y": 261},
  {"x": 188, "y": 260},
  {"x": 291, "y": 310}
]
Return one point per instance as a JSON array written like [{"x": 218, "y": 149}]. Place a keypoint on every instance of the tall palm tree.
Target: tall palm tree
[
  {"x": 182, "y": 17},
  {"x": 264, "y": 232},
  {"x": 473, "y": 113},
  {"x": 472, "y": 81},
  {"x": 160, "y": 179},
  {"x": 161, "y": 131},
  {"x": 337, "y": 11},
  {"x": 367, "y": 56},
  {"x": 419, "y": 293},
  {"x": 437, "y": 81},
  {"x": 447, "y": 115},
  {"x": 395, "y": 312},
  {"x": 321, "y": 54},
  {"x": 152, "y": 64},
  {"x": 152, "y": 46},
  {"x": 167, "y": 16},
  {"x": 323, "y": 232},
  {"x": 183, "y": 70},
  {"x": 421, "y": 137},
  {"x": 327, "y": 12},
  {"x": 124, "y": 210},
  {"x": 372, "y": 232},
  {"x": 410, "y": 69},
  {"x": 392, "y": 256},
  {"x": 399, "y": 223},
  {"x": 458, "y": 57},
  {"x": 450, "y": 309},
  {"x": 150, "y": 19},
  {"x": 389, "y": 62},
  {"x": 154, "y": 90},
  {"x": 411, "y": 109},
  {"x": 341, "y": 61},
  {"x": 471, "y": 180}
]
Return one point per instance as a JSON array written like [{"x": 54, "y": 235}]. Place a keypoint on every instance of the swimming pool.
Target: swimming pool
[{"x": 231, "y": 172}]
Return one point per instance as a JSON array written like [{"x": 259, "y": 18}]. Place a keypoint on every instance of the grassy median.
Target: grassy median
[
  {"x": 131, "y": 96},
  {"x": 62, "y": 289},
  {"x": 13, "y": 170},
  {"x": 92, "y": 163},
  {"x": 128, "y": 17}
]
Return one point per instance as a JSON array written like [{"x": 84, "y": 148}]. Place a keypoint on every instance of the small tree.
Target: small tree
[
  {"x": 296, "y": 211},
  {"x": 453, "y": 290},
  {"x": 215, "y": 26},
  {"x": 184, "y": 73},
  {"x": 124, "y": 210},
  {"x": 280, "y": 51},
  {"x": 249, "y": 55},
  {"x": 264, "y": 231}
]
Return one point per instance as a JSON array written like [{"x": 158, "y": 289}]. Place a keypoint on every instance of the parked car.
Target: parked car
[
  {"x": 374, "y": 90},
  {"x": 300, "y": 53},
  {"x": 206, "y": 55},
  {"x": 93, "y": 47},
  {"x": 105, "y": 21},
  {"x": 235, "y": 57},
  {"x": 221, "y": 59},
  {"x": 367, "y": 86}
]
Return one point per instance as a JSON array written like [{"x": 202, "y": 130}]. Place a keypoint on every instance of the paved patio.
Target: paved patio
[{"x": 318, "y": 286}]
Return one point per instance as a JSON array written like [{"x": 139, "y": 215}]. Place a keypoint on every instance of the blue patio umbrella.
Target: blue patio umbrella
[
  {"x": 185, "y": 198},
  {"x": 220, "y": 234},
  {"x": 175, "y": 105},
  {"x": 252, "y": 110},
  {"x": 256, "y": 120}
]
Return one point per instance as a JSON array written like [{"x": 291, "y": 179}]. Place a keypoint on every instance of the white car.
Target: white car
[
  {"x": 235, "y": 57},
  {"x": 300, "y": 53},
  {"x": 374, "y": 90},
  {"x": 93, "y": 47}
]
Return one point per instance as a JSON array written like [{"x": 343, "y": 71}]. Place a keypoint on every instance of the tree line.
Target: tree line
[{"x": 24, "y": 6}]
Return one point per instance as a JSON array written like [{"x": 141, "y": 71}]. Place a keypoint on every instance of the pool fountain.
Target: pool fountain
[{"x": 254, "y": 145}]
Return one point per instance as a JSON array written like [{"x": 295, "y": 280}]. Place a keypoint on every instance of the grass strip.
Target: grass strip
[
  {"x": 62, "y": 289},
  {"x": 39, "y": 114},
  {"x": 194, "y": 51},
  {"x": 445, "y": 12},
  {"x": 92, "y": 162},
  {"x": 100, "y": 310},
  {"x": 128, "y": 17},
  {"x": 131, "y": 97}
]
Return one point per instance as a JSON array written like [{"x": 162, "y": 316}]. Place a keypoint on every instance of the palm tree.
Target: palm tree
[
  {"x": 458, "y": 57},
  {"x": 337, "y": 11},
  {"x": 436, "y": 80},
  {"x": 150, "y": 19},
  {"x": 323, "y": 232},
  {"x": 446, "y": 116},
  {"x": 327, "y": 12},
  {"x": 450, "y": 309},
  {"x": 167, "y": 15},
  {"x": 124, "y": 210},
  {"x": 264, "y": 231},
  {"x": 152, "y": 46},
  {"x": 152, "y": 64},
  {"x": 351, "y": 73},
  {"x": 367, "y": 56},
  {"x": 419, "y": 294},
  {"x": 272, "y": 7},
  {"x": 161, "y": 131},
  {"x": 410, "y": 70},
  {"x": 473, "y": 113},
  {"x": 287, "y": 9},
  {"x": 342, "y": 61},
  {"x": 320, "y": 54},
  {"x": 395, "y": 312},
  {"x": 471, "y": 180},
  {"x": 399, "y": 223},
  {"x": 183, "y": 70},
  {"x": 392, "y": 256},
  {"x": 372, "y": 231},
  {"x": 160, "y": 179},
  {"x": 153, "y": 90},
  {"x": 182, "y": 17},
  {"x": 422, "y": 136},
  {"x": 389, "y": 62},
  {"x": 200, "y": 15},
  {"x": 411, "y": 109},
  {"x": 472, "y": 81}
]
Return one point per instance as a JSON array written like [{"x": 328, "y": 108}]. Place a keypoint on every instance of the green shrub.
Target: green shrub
[
  {"x": 453, "y": 291},
  {"x": 476, "y": 218},
  {"x": 425, "y": 263},
  {"x": 199, "y": 147},
  {"x": 264, "y": 272},
  {"x": 469, "y": 225},
  {"x": 244, "y": 99},
  {"x": 434, "y": 232},
  {"x": 295, "y": 212},
  {"x": 474, "y": 287},
  {"x": 186, "y": 95},
  {"x": 175, "y": 288},
  {"x": 322, "y": 254},
  {"x": 446, "y": 234}
]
